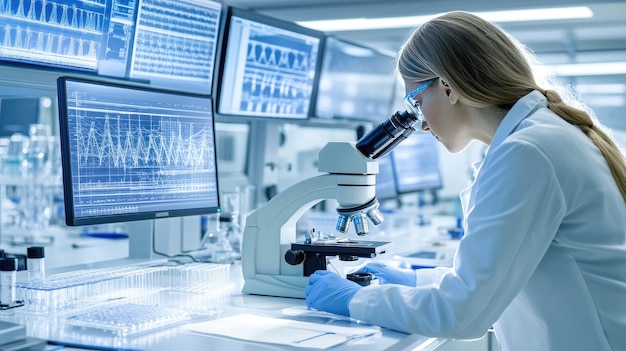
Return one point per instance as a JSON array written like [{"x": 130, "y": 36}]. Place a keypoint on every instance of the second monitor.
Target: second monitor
[{"x": 268, "y": 67}]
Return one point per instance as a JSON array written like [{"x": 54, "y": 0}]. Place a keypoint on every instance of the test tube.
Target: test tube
[
  {"x": 35, "y": 263},
  {"x": 8, "y": 276}
]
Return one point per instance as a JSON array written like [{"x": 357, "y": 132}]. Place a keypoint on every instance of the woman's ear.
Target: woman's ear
[{"x": 451, "y": 97}]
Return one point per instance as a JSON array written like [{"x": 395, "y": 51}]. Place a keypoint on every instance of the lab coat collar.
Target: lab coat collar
[{"x": 523, "y": 108}]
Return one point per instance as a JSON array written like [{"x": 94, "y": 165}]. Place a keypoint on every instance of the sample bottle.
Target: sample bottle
[
  {"x": 8, "y": 276},
  {"x": 35, "y": 262}
]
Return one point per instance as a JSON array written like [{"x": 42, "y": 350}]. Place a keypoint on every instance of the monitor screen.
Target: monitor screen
[
  {"x": 355, "y": 82},
  {"x": 385, "y": 179},
  {"x": 132, "y": 153},
  {"x": 268, "y": 67},
  {"x": 60, "y": 34},
  {"x": 416, "y": 164},
  {"x": 175, "y": 44}
]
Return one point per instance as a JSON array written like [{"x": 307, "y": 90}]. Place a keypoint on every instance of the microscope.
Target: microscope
[{"x": 273, "y": 263}]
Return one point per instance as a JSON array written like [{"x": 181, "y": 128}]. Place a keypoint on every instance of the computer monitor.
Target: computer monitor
[
  {"x": 175, "y": 44},
  {"x": 132, "y": 153},
  {"x": 268, "y": 67},
  {"x": 416, "y": 164},
  {"x": 385, "y": 179},
  {"x": 356, "y": 82},
  {"x": 53, "y": 33}
]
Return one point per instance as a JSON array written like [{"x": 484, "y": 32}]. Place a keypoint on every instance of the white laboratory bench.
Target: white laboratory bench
[
  {"x": 56, "y": 332},
  {"x": 175, "y": 337}
]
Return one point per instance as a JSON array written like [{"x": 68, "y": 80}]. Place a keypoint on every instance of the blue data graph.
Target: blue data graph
[
  {"x": 138, "y": 151},
  {"x": 175, "y": 43},
  {"x": 52, "y": 32},
  {"x": 269, "y": 68}
]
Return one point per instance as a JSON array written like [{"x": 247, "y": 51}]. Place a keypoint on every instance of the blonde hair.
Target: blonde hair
[{"x": 484, "y": 66}]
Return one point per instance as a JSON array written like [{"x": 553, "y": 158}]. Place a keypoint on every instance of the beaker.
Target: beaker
[{"x": 215, "y": 243}]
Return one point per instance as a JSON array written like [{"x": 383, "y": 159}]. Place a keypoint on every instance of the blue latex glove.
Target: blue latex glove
[
  {"x": 388, "y": 274},
  {"x": 329, "y": 292}
]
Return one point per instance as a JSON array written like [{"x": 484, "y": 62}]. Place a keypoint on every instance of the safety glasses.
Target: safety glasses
[{"x": 412, "y": 106}]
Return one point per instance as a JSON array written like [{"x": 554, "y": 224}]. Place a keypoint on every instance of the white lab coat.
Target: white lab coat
[{"x": 543, "y": 258}]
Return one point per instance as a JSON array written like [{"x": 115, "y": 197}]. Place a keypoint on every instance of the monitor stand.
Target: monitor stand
[{"x": 165, "y": 237}]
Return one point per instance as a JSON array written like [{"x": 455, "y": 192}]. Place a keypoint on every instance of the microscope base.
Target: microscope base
[{"x": 276, "y": 285}]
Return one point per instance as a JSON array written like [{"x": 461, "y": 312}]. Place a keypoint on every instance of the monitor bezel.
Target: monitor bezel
[
  {"x": 232, "y": 11},
  {"x": 325, "y": 53},
  {"x": 64, "y": 139}
]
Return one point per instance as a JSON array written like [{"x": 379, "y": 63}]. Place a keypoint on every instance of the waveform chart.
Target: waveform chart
[{"x": 52, "y": 32}]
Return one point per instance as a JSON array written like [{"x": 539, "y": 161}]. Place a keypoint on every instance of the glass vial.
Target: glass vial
[
  {"x": 8, "y": 276},
  {"x": 35, "y": 263}
]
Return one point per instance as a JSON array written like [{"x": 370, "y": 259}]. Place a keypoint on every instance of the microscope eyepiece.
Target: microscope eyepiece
[{"x": 383, "y": 138}]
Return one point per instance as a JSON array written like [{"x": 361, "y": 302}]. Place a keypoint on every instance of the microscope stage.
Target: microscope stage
[{"x": 344, "y": 247}]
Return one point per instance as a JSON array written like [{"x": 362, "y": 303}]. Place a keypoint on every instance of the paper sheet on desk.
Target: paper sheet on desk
[{"x": 281, "y": 331}]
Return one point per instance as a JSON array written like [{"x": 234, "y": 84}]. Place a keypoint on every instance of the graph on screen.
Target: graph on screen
[
  {"x": 54, "y": 33},
  {"x": 175, "y": 43},
  {"x": 269, "y": 67},
  {"x": 135, "y": 151}
]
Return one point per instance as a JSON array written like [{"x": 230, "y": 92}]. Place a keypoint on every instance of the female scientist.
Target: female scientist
[{"x": 543, "y": 258}]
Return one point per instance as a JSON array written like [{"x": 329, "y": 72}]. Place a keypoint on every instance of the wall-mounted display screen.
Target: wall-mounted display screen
[
  {"x": 268, "y": 67},
  {"x": 416, "y": 164},
  {"x": 175, "y": 44},
  {"x": 57, "y": 33},
  {"x": 133, "y": 153},
  {"x": 355, "y": 82},
  {"x": 167, "y": 43}
]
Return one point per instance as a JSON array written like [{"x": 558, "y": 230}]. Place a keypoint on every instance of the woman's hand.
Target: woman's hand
[
  {"x": 390, "y": 275},
  {"x": 329, "y": 292}
]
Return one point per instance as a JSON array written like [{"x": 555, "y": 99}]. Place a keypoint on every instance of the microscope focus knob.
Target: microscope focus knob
[{"x": 294, "y": 257}]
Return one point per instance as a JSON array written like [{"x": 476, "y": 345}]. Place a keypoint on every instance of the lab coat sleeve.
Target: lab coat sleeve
[
  {"x": 429, "y": 276},
  {"x": 518, "y": 205}
]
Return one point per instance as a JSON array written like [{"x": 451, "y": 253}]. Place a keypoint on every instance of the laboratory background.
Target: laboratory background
[{"x": 172, "y": 171}]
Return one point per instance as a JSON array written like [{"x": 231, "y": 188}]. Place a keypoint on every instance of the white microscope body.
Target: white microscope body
[{"x": 270, "y": 230}]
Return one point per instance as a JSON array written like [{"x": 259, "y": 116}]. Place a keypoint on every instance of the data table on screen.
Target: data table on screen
[{"x": 175, "y": 43}]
